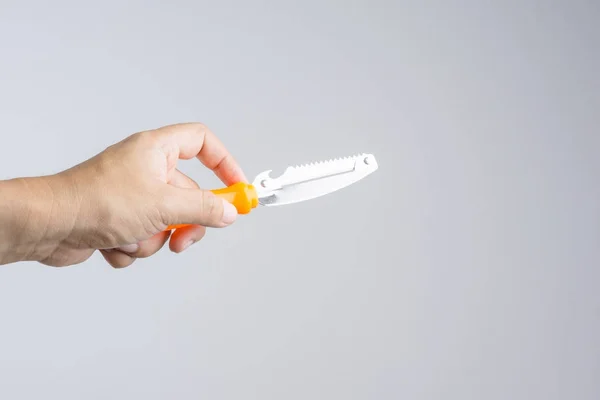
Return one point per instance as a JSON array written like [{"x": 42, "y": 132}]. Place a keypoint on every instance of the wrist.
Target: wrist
[{"x": 36, "y": 215}]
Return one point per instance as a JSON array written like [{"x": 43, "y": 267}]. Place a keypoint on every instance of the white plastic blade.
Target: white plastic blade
[{"x": 313, "y": 180}]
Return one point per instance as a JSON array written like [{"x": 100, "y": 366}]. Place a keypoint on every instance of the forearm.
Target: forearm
[{"x": 32, "y": 219}]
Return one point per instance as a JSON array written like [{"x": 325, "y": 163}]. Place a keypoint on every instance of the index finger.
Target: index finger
[{"x": 196, "y": 140}]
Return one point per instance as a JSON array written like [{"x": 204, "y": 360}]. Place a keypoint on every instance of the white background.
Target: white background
[{"x": 465, "y": 268}]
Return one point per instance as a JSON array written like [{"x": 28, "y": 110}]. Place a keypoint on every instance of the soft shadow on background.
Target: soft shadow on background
[{"x": 467, "y": 267}]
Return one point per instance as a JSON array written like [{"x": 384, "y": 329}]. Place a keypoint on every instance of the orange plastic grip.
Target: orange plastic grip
[{"x": 242, "y": 195}]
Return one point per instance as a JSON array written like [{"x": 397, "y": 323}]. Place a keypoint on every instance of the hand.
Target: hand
[{"x": 121, "y": 201}]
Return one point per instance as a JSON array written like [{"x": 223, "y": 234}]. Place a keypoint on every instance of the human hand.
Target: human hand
[{"x": 121, "y": 201}]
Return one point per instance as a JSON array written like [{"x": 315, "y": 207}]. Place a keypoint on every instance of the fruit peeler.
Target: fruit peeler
[{"x": 297, "y": 183}]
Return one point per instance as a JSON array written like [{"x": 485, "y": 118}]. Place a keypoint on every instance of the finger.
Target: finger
[
  {"x": 147, "y": 247},
  {"x": 184, "y": 237},
  {"x": 181, "y": 180},
  {"x": 197, "y": 207},
  {"x": 117, "y": 259},
  {"x": 196, "y": 140}
]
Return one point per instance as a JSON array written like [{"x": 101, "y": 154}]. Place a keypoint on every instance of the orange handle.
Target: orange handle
[{"x": 242, "y": 195}]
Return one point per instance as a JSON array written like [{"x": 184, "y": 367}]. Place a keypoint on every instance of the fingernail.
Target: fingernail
[
  {"x": 229, "y": 213},
  {"x": 188, "y": 244},
  {"x": 130, "y": 248}
]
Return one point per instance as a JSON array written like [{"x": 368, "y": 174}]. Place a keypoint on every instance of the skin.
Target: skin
[{"x": 119, "y": 202}]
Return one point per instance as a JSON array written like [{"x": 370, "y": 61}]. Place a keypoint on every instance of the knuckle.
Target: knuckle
[
  {"x": 147, "y": 249},
  {"x": 202, "y": 128},
  {"x": 143, "y": 252},
  {"x": 211, "y": 207},
  {"x": 147, "y": 138},
  {"x": 198, "y": 232},
  {"x": 120, "y": 262},
  {"x": 161, "y": 210},
  {"x": 191, "y": 125},
  {"x": 163, "y": 213},
  {"x": 158, "y": 222}
]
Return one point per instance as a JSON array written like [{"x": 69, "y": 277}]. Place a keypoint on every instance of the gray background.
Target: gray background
[{"x": 467, "y": 267}]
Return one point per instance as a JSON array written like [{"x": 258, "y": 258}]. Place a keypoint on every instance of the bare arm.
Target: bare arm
[{"x": 118, "y": 202}]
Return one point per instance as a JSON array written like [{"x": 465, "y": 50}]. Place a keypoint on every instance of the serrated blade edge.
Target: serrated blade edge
[{"x": 303, "y": 182}]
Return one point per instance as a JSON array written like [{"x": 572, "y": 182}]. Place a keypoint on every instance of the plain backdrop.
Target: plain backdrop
[{"x": 466, "y": 267}]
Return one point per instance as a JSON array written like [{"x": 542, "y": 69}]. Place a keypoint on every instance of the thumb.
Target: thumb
[{"x": 197, "y": 207}]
